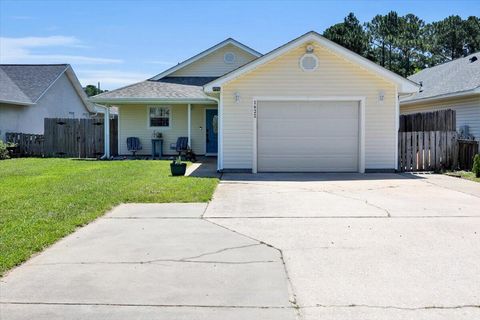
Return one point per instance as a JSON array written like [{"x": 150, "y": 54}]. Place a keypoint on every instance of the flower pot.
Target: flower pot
[{"x": 178, "y": 169}]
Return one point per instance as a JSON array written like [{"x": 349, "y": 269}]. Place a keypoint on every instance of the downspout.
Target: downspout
[{"x": 106, "y": 132}]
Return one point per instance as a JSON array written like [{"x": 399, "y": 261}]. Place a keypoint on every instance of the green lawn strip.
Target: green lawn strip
[
  {"x": 42, "y": 200},
  {"x": 464, "y": 175}
]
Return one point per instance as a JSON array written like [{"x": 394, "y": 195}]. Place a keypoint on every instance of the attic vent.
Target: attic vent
[
  {"x": 473, "y": 59},
  {"x": 229, "y": 57},
  {"x": 308, "y": 62}
]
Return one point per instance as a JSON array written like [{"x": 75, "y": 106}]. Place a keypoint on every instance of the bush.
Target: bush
[
  {"x": 3, "y": 150},
  {"x": 4, "y": 154},
  {"x": 476, "y": 165}
]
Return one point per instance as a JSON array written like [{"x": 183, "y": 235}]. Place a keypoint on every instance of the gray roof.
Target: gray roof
[
  {"x": 457, "y": 76},
  {"x": 26, "y": 83},
  {"x": 168, "y": 88}
]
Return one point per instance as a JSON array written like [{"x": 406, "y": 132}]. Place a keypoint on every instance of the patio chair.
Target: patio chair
[
  {"x": 133, "y": 145},
  {"x": 184, "y": 150}
]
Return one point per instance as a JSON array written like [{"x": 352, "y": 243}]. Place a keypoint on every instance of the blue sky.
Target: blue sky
[{"x": 121, "y": 42}]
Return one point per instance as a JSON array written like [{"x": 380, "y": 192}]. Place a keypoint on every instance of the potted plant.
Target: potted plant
[{"x": 177, "y": 167}]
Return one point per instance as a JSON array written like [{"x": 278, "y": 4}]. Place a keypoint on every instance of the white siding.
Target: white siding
[
  {"x": 335, "y": 76},
  {"x": 58, "y": 102},
  {"x": 467, "y": 111},
  {"x": 213, "y": 65},
  {"x": 133, "y": 122}
]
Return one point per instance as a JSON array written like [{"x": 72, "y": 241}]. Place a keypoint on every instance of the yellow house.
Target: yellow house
[{"x": 307, "y": 106}]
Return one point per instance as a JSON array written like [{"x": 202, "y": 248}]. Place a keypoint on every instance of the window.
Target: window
[{"x": 159, "y": 116}]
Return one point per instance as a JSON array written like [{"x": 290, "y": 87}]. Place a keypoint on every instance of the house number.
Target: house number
[{"x": 255, "y": 109}]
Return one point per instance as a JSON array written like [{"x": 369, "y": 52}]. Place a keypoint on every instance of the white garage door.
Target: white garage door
[{"x": 309, "y": 136}]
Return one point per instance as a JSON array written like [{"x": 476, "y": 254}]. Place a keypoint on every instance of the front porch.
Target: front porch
[{"x": 198, "y": 122}]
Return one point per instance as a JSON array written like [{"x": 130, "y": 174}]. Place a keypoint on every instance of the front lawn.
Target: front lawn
[
  {"x": 465, "y": 175},
  {"x": 42, "y": 200}
]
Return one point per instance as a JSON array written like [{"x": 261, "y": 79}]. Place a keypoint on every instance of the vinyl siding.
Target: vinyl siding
[
  {"x": 60, "y": 99},
  {"x": 213, "y": 65},
  {"x": 335, "y": 76},
  {"x": 133, "y": 122},
  {"x": 467, "y": 111}
]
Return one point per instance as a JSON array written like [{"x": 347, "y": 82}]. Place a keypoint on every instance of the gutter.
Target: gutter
[
  {"x": 460, "y": 94},
  {"x": 150, "y": 100}
]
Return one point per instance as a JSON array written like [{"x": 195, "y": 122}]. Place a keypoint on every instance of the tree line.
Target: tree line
[{"x": 406, "y": 44}]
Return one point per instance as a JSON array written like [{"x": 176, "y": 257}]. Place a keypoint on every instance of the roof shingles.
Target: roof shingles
[
  {"x": 460, "y": 75},
  {"x": 31, "y": 80}
]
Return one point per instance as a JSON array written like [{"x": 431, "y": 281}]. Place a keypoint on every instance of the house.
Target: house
[
  {"x": 30, "y": 93},
  {"x": 309, "y": 105},
  {"x": 451, "y": 85}
]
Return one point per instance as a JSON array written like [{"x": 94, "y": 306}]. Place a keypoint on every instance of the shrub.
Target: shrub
[
  {"x": 476, "y": 165},
  {"x": 3, "y": 150}
]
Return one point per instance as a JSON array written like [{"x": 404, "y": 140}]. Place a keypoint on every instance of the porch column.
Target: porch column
[
  {"x": 189, "y": 125},
  {"x": 106, "y": 132}
]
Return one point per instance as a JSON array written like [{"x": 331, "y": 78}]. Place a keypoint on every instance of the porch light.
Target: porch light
[
  {"x": 381, "y": 96},
  {"x": 237, "y": 97}
]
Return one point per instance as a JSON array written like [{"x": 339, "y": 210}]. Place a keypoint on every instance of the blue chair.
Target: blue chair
[
  {"x": 133, "y": 145},
  {"x": 183, "y": 149}
]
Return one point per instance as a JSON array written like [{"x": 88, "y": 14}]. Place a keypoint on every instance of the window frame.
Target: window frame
[{"x": 169, "y": 107}]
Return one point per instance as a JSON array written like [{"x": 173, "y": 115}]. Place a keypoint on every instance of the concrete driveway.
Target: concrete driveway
[{"x": 269, "y": 246}]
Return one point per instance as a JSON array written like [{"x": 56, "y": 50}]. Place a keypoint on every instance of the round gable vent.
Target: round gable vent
[
  {"x": 229, "y": 57},
  {"x": 309, "y": 62}
]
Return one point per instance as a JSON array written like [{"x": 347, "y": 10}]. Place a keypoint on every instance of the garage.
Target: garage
[{"x": 308, "y": 136}]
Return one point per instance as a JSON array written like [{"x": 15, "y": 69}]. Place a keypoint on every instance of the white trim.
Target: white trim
[
  {"x": 405, "y": 84},
  {"x": 205, "y": 132},
  {"x": 119, "y": 130},
  {"x": 220, "y": 133},
  {"x": 189, "y": 124},
  {"x": 462, "y": 94},
  {"x": 152, "y": 101},
  {"x": 361, "y": 137},
  {"x": 204, "y": 53},
  {"x": 52, "y": 83},
  {"x": 17, "y": 102},
  {"x": 397, "y": 127},
  {"x": 170, "y": 116}
]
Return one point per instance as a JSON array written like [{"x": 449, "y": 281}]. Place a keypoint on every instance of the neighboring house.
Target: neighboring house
[
  {"x": 30, "y": 93},
  {"x": 309, "y": 105},
  {"x": 451, "y": 85}
]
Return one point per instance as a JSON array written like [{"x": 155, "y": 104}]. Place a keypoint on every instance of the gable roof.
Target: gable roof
[
  {"x": 168, "y": 89},
  {"x": 229, "y": 41},
  {"x": 457, "y": 77},
  {"x": 405, "y": 85},
  {"x": 25, "y": 84}
]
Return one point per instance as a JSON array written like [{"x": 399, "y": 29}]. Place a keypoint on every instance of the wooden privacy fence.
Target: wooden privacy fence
[
  {"x": 467, "y": 149},
  {"x": 427, "y": 150},
  {"x": 28, "y": 145},
  {"x": 429, "y": 142},
  {"x": 70, "y": 138},
  {"x": 78, "y": 138}
]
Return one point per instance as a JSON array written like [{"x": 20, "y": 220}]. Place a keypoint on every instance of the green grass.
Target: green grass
[
  {"x": 43, "y": 200},
  {"x": 465, "y": 175}
]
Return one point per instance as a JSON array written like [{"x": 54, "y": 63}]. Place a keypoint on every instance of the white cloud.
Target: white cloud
[
  {"x": 22, "y": 50},
  {"x": 110, "y": 79}
]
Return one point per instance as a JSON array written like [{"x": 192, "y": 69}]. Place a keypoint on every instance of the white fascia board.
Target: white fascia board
[
  {"x": 405, "y": 85},
  {"x": 205, "y": 53},
  {"x": 79, "y": 89},
  {"x": 19, "y": 103},
  {"x": 150, "y": 100},
  {"x": 461, "y": 94}
]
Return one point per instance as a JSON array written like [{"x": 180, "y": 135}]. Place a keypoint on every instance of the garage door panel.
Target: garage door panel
[
  {"x": 309, "y": 128},
  {"x": 308, "y": 146},
  {"x": 308, "y": 164},
  {"x": 308, "y": 136}
]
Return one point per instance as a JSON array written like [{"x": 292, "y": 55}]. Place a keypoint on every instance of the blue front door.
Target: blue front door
[{"x": 212, "y": 130}]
